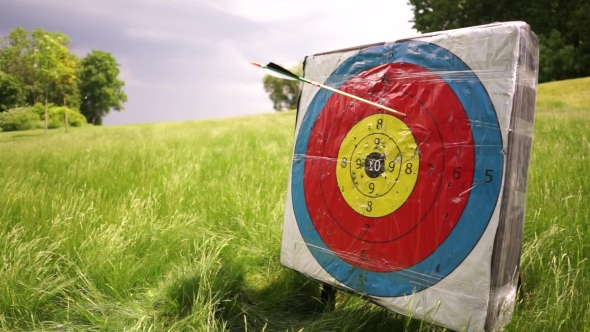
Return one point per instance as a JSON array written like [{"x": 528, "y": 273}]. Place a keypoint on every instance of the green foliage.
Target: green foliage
[
  {"x": 71, "y": 94},
  {"x": 558, "y": 60},
  {"x": 16, "y": 59},
  {"x": 100, "y": 88},
  {"x": 66, "y": 79},
  {"x": 50, "y": 50},
  {"x": 39, "y": 109},
  {"x": 561, "y": 26},
  {"x": 19, "y": 119},
  {"x": 25, "y": 118},
  {"x": 50, "y": 56},
  {"x": 283, "y": 93},
  {"x": 11, "y": 92},
  {"x": 36, "y": 66},
  {"x": 57, "y": 117},
  {"x": 432, "y": 15}
]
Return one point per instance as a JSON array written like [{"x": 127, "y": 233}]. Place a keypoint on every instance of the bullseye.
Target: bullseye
[
  {"x": 375, "y": 165},
  {"x": 373, "y": 155}
]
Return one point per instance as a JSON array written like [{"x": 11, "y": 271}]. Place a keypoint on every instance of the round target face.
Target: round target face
[{"x": 390, "y": 205}]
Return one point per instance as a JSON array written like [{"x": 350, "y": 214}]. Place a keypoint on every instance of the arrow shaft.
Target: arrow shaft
[
  {"x": 289, "y": 74},
  {"x": 358, "y": 98}
]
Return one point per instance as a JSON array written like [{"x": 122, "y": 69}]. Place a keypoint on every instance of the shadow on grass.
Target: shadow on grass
[
  {"x": 27, "y": 135},
  {"x": 224, "y": 286},
  {"x": 293, "y": 302},
  {"x": 290, "y": 302}
]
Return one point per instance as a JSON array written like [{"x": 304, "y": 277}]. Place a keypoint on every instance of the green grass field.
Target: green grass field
[{"x": 177, "y": 226}]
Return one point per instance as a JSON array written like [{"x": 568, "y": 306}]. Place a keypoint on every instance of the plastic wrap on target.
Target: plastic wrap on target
[{"x": 423, "y": 213}]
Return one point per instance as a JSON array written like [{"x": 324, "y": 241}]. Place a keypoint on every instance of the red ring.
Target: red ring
[{"x": 434, "y": 115}]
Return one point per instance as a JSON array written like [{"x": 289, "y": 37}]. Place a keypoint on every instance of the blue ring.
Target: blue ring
[{"x": 478, "y": 210}]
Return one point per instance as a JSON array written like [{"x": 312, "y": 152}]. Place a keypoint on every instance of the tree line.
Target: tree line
[
  {"x": 560, "y": 25},
  {"x": 38, "y": 71}
]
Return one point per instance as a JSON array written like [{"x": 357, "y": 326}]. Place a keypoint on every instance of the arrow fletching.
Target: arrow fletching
[
  {"x": 280, "y": 72},
  {"x": 277, "y": 71}
]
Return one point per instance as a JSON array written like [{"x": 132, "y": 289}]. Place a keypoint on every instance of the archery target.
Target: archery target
[
  {"x": 420, "y": 213},
  {"x": 383, "y": 197}
]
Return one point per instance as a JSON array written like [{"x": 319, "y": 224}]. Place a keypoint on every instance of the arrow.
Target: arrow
[{"x": 284, "y": 73}]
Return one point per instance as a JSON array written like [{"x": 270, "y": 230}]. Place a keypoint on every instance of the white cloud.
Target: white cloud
[
  {"x": 367, "y": 20},
  {"x": 303, "y": 27},
  {"x": 127, "y": 76},
  {"x": 264, "y": 11},
  {"x": 291, "y": 30},
  {"x": 101, "y": 8},
  {"x": 150, "y": 34},
  {"x": 160, "y": 35},
  {"x": 176, "y": 52}
]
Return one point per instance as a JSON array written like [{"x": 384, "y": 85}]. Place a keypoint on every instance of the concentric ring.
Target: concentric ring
[
  {"x": 372, "y": 276},
  {"x": 371, "y": 160}
]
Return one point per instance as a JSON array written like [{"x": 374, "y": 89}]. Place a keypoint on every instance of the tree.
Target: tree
[
  {"x": 100, "y": 88},
  {"x": 560, "y": 25},
  {"x": 38, "y": 66},
  {"x": 282, "y": 92},
  {"x": 72, "y": 93},
  {"x": 11, "y": 92},
  {"x": 50, "y": 50},
  {"x": 66, "y": 78},
  {"x": 16, "y": 59}
]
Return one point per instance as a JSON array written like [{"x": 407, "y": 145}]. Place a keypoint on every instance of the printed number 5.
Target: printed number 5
[{"x": 489, "y": 176}]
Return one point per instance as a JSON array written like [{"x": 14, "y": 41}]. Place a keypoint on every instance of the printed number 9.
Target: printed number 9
[{"x": 391, "y": 166}]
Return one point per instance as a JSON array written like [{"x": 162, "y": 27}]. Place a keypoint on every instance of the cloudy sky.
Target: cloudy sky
[{"x": 190, "y": 59}]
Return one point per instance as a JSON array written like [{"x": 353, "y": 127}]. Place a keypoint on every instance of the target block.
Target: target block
[{"x": 423, "y": 213}]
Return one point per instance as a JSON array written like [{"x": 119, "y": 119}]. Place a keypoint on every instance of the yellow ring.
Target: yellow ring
[{"x": 378, "y": 165}]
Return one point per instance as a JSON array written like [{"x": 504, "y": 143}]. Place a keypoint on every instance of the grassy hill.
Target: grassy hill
[
  {"x": 571, "y": 95},
  {"x": 177, "y": 226}
]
